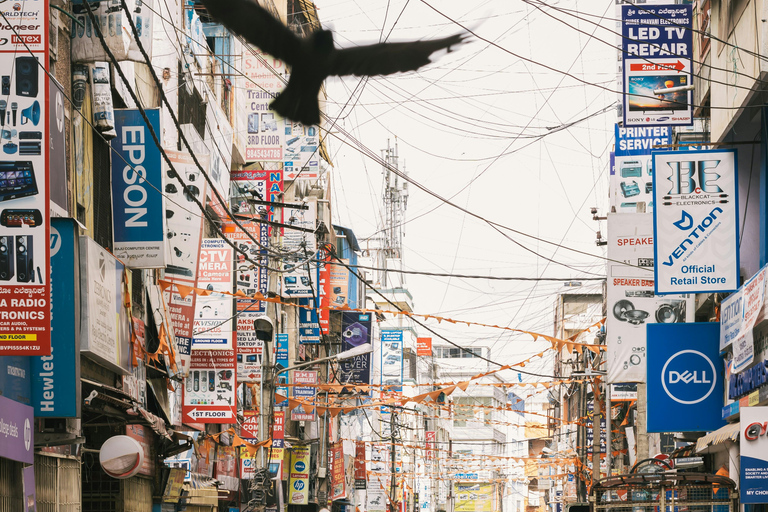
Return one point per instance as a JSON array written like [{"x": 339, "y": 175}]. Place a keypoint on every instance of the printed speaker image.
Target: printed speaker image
[
  {"x": 26, "y": 77},
  {"x": 6, "y": 258},
  {"x": 25, "y": 271}
]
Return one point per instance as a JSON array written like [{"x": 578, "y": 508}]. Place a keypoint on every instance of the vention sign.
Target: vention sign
[
  {"x": 743, "y": 383},
  {"x": 138, "y": 213},
  {"x": 685, "y": 386},
  {"x": 753, "y": 472},
  {"x": 695, "y": 221},
  {"x": 657, "y": 44}
]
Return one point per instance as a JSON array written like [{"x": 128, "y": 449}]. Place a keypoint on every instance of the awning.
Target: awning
[{"x": 729, "y": 432}]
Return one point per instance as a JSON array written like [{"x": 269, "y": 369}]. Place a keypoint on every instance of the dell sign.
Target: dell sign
[{"x": 685, "y": 382}]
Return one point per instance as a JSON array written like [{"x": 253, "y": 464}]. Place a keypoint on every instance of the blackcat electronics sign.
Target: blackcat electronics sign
[{"x": 25, "y": 308}]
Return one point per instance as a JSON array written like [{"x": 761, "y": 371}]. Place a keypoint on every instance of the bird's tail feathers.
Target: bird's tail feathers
[{"x": 297, "y": 107}]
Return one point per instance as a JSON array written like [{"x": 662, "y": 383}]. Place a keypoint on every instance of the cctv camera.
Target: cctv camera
[{"x": 593, "y": 210}]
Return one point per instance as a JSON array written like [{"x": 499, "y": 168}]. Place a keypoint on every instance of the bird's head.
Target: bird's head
[{"x": 322, "y": 40}]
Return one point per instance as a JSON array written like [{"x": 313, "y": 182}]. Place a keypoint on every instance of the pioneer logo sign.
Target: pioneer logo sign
[
  {"x": 695, "y": 196},
  {"x": 685, "y": 385}
]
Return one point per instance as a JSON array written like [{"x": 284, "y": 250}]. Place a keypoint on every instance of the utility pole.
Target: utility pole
[{"x": 393, "y": 483}]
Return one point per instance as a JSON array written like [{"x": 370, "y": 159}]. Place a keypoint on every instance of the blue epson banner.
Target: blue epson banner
[
  {"x": 56, "y": 378},
  {"x": 138, "y": 213},
  {"x": 685, "y": 377},
  {"x": 355, "y": 331},
  {"x": 657, "y": 46},
  {"x": 753, "y": 445}
]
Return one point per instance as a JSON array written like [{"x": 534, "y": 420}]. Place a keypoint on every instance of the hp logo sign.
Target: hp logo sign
[{"x": 688, "y": 377}]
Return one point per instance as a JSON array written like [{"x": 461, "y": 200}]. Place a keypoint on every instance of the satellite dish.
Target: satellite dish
[{"x": 121, "y": 457}]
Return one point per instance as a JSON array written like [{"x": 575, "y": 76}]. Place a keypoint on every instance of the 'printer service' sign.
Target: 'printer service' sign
[{"x": 696, "y": 221}]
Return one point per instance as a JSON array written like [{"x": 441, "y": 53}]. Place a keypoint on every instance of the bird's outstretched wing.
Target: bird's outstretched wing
[
  {"x": 257, "y": 26},
  {"x": 388, "y": 58}
]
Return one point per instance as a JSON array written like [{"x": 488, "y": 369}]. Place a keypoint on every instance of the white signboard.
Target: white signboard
[
  {"x": 631, "y": 301},
  {"x": 696, "y": 221},
  {"x": 265, "y": 77},
  {"x": 731, "y": 317},
  {"x": 744, "y": 345},
  {"x": 213, "y": 313}
]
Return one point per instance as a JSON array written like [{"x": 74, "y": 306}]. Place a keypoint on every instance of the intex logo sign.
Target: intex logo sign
[{"x": 688, "y": 377}]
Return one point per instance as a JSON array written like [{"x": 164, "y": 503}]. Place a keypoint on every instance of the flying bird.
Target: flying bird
[{"x": 314, "y": 58}]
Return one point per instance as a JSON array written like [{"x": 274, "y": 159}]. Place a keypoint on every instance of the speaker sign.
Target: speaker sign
[
  {"x": 696, "y": 221},
  {"x": 25, "y": 238}
]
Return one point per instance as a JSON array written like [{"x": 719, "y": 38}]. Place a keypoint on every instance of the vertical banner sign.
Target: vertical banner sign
[
  {"x": 56, "y": 377},
  {"x": 744, "y": 345},
  {"x": 250, "y": 427},
  {"x": 753, "y": 477},
  {"x": 25, "y": 310},
  {"x": 138, "y": 208},
  {"x": 338, "y": 473},
  {"x": 657, "y": 45},
  {"x": 184, "y": 233},
  {"x": 324, "y": 290},
  {"x": 298, "y": 278},
  {"x": 696, "y": 221},
  {"x": 304, "y": 388},
  {"x": 632, "y": 181},
  {"x": 360, "y": 469},
  {"x": 731, "y": 318},
  {"x": 431, "y": 438},
  {"x": 424, "y": 346},
  {"x": 355, "y": 331},
  {"x": 309, "y": 324},
  {"x": 685, "y": 378},
  {"x": 213, "y": 324},
  {"x": 266, "y": 130},
  {"x": 631, "y": 301},
  {"x": 264, "y": 185},
  {"x": 339, "y": 285},
  {"x": 209, "y": 392},
  {"x": 298, "y": 486},
  {"x": 392, "y": 360},
  {"x": 379, "y": 476},
  {"x": 302, "y": 158}
]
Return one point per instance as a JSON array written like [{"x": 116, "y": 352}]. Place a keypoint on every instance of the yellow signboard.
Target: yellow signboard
[
  {"x": 298, "y": 485},
  {"x": 471, "y": 497}
]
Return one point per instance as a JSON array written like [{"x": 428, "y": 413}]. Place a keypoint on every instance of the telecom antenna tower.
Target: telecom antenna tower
[{"x": 395, "y": 195}]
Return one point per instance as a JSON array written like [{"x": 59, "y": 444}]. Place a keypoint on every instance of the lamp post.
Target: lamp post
[{"x": 360, "y": 350}]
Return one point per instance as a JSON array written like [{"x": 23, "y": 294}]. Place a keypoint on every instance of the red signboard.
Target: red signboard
[
  {"x": 209, "y": 394},
  {"x": 250, "y": 427},
  {"x": 423, "y": 346},
  {"x": 278, "y": 428},
  {"x": 338, "y": 474}
]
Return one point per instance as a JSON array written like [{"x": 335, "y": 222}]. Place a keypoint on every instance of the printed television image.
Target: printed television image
[{"x": 642, "y": 98}]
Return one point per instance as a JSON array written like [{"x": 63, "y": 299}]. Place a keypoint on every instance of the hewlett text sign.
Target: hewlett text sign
[
  {"x": 685, "y": 381},
  {"x": 696, "y": 221},
  {"x": 657, "y": 44},
  {"x": 753, "y": 480}
]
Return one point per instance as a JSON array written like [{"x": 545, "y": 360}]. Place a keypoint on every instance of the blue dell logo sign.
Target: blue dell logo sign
[
  {"x": 688, "y": 377},
  {"x": 299, "y": 466}
]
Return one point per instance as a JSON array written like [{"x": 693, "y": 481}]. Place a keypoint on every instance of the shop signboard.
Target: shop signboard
[
  {"x": 392, "y": 360},
  {"x": 138, "y": 207},
  {"x": 423, "y": 346},
  {"x": 696, "y": 221},
  {"x": 264, "y": 77},
  {"x": 473, "y": 497},
  {"x": 632, "y": 304},
  {"x": 56, "y": 377},
  {"x": 250, "y": 427},
  {"x": 338, "y": 473},
  {"x": 209, "y": 392},
  {"x": 146, "y": 439},
  {"x": 304, "y": 388},
  {"x": 262, "y": 185},
  {"x": 431, "y": 437},
  {"x": 16, "y": 435},
  {"x": 355, "y": 331},
  {"x": 106, "y": 335},
  {"x": 657, "y": 47},
  {"x": 25, "y": 309},
  {"x": 298, "y": 485},
  {"x": 685, "y": 378},
  {"x": 184, "y": 234},
  {"x": 753, "y": 293},
  {"x": 213, "y": 313},
  {"x": 632, "y": 181},
  {"x": 731, "y": 318},
  {"x": 299, "y": 278},
  {"x": 309, "y": 324},
  {"x": 360, "y": 466},
  {"x": 753, "y": 444},
  {"x": 302, "y": 156},
  {"x": 250, "y": 277}
]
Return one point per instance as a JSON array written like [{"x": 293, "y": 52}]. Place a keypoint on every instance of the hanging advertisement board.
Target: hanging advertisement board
[
  {"x": 213, "y": 313},
  {"x": 338, "y": 473},
  {"x": 430, "y": 436},
  {"x": 392, "y": 360},
  {"x": 56, "y": 377},
  {"x": 360, "y": 469},
  {"x": 184, "y": 235},
  {"x": 138, "y": 207},
  {"x": 753, "y": 443},
  {"x": 250, "y": 427},
  {"x": 24, "y": 185},
  {"x": 731, "y": 318},
  {"x": 250, "y": 278},
  {"x": 304, "y": 388},
  {"x": 424, "y": 347},
  {"x": 753, "y": 293},
  {"x": 17, "y": 437},
  {"x": 632, "y": 181},
  {"x": 657, "y": 48},
  {"x": 685, "y": 378},
  {"x": 631, "y": 301},
  {"x": 209, "y": 391},
  {"x": 264, "y": 78},
  {"x": 259, "y": 184},
  {"x": 302, "y": 156},
  {"x": 355, "y": 331},
  {"x": 106, "y": 335},
  {"x": 309, "y": 324},
  {"x": 298, "y": 485},
  {"x": 696, "y": 221},
  {"x": 299, "y": 278},
  {"x": 473, "y": 497}
]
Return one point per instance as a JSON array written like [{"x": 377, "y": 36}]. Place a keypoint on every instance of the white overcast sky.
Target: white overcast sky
[{"x": 464, "y": 127}]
